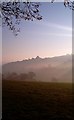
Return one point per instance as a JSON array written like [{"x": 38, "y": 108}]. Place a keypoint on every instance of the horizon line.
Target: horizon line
[{"x": 37, "y": 57}]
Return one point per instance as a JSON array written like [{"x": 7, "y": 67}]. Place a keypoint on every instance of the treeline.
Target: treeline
[{"x": 23, "y": 76}]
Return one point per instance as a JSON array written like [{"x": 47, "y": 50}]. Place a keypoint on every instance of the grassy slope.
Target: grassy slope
[{"x": 37, "y": 101}]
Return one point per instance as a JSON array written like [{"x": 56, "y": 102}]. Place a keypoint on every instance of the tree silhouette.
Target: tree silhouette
[
  {"x": 31, "y": 75},
  {"x": 13, "y": 12},
  {"x": 69, "y": 3},
  {"x": 10, "y": 76},
  {"x": 23, "y": 76}
]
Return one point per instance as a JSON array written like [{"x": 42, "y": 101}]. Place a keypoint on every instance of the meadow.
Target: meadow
[{"x": 37, "y": 101}]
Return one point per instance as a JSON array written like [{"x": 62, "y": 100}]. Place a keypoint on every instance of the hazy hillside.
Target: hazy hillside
[{"x": 46, "y": 69}]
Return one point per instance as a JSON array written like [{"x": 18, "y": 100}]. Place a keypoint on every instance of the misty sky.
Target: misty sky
[{"x": 51, "y": 36}]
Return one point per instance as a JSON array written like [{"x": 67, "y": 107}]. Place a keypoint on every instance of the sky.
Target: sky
[{"x": 52, "y": 36}]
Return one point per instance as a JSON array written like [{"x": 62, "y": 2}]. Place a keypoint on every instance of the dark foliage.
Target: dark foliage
[
  {"x": 23, "y": 76},
  {"x": 69, "y": 3},
  {"x": 13, "y": 12}
]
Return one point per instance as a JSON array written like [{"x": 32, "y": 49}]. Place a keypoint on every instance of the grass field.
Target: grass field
[{"x": 37, "y": 101}]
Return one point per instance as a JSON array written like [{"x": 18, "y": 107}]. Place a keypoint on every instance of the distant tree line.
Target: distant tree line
[{"x": 23, "y": 76}]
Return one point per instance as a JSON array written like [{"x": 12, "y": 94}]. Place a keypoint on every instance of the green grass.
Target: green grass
[{"x": 37, "y": 101}]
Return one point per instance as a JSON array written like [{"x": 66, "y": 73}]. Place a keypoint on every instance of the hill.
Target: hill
[{"x": 46, "y": 69}]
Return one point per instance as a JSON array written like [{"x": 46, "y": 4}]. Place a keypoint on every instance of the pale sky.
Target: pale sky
[{"x": 52, "y": 36}]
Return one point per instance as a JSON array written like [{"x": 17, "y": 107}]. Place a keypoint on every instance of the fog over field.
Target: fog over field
[
  {"x": 52, "y": 69},
  {"x": 37, "y": 61}
]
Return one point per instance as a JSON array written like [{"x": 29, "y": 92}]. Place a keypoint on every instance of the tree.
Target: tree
[
  {"x": 13, "y": 12},
  {"x": 31, "y": 75},
  {"x": 23, "y": 76},
  {"x": 67, "y": 3},
  {"x": 10, "y": 76}
]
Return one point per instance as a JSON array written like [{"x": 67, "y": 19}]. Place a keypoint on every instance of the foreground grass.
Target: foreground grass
[{"x": 37, "y": 101}]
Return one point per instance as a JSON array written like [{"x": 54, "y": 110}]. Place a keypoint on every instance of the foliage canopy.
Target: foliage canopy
[{"x": 13, "y": 12}]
